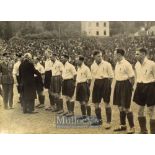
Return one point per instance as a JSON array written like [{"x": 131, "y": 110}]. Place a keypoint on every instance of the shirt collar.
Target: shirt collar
[
  {"x": 66, "y": 63},
  {"x": 145, "y": 60},
  {"x": 82, "y": 65},
  {"x": 38, "y": 63},
  {"x": 123, "y": 59},
  {"x": 100, "y": 63},
  {"x": 55, "y": 61}
]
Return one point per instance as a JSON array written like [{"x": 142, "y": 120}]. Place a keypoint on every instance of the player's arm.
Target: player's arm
[
  {"x": 131, "y": 74},
  {"x": 153, "y": 69},
  {"x": 110, "y": 72},
  {"x": 0, "y": 74},
  {"x": 89, "y": 77},
  {"x": 73, "y": 70}
]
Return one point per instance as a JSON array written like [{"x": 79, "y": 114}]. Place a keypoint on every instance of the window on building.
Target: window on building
[
  {"x": 105, "y": 24},
  {"x": 97, "y": 24},
  {"x": 97, "y": 33},
  {"x": 105, "y": 33}
]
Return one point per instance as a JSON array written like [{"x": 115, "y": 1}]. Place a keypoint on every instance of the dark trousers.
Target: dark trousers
[
  {"x": 7, "y": 94},
  {"x": 28, "y": 105}
]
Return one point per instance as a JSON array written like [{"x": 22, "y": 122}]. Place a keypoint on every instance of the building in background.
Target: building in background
[{"x": 95, "y": 28}]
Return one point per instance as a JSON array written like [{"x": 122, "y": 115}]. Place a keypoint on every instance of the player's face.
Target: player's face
[
  {"x": 47, "y": 55},
  {"x": 98, "y": 58},
  {"x": 79, "y": 63},
  {"x": 53, "y": 58},
  {"x": 117, "y": 57},
  {"x": 63, "y": 60},
  {"x": 139, "y": 56}
]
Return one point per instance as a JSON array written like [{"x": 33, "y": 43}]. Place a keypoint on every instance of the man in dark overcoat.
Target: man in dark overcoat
[{"x": 28, "y": 89}]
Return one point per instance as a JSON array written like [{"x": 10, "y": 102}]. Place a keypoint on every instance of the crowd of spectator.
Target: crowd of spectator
[{"x": 84, "y": 46}]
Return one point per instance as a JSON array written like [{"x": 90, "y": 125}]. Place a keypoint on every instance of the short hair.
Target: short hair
[
  {"x": 81, "y": 58},
  {"x": 103, "y": 52},
  {"x": 19, "y": 55},
  {"x": 27, "y": 55},
  {"x": 54, "y": 54},
  {"x": 65, "y": 56},
  {"x": 96, "y": 52},
  {"x": 120, "y": 51},
  {"x": 142, "y": 50}
]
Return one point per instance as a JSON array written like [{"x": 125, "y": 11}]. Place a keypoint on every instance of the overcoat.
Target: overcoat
[{"x": 27, "y": 79}]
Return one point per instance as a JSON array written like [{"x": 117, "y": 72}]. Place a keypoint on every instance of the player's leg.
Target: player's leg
[
  {"x": 130, "y": 119},
  {"x": 142, "y": 120},
  {"x": 83, "y": 110},
  {"x": 41, "y": 98},
  {"x": 122, "y": 115},
  {"x": 108, "y": 111},
  {"x": 151, "y": 110},
  {"x": 96, "y": 99},
  {"x": 106, "y": 89}
]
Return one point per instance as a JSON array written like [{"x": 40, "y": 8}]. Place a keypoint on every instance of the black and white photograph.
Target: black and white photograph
[
  {"x": 77, "y": 77},
  {"x": 80, "y": 77}
]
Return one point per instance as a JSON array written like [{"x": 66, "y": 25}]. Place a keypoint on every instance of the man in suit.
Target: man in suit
[
  {"x": 28, "y": 92},
  {"x": 7, "y": 81}
]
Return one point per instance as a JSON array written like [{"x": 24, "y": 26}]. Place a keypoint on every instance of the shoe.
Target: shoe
[
  {"x": 6, "y": 108},
  {"x": 39, "y": 106},
  {"x": 131, "y": 131},
  {"x": 55, "y": 110},
  {"x": 49, "y": 108},
  {"x": 82, "y": 117},
  {"x": 70, "y": 114},
  {"x": 107, "y": 126},
  {"x": 144, "y": 132},
  {"x": 121, "y": 128},
  {"x": 97, "y": 123},
  {"x": 87, "y": 119},
  {"x": 60, "y": 112},
  {"x": 64, "y": 114},
  {"x": 32, "y": 112}
]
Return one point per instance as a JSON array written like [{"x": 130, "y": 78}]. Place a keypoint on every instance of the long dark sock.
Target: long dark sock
[
  {"x": 61, "y": 103},
  {"x": 72, "y": 104},
  {"x": 108, "y": 114},
  {"x": 88, "y": 110},
  {"x": 42, "y": 99},
  {"x": 130, "y": 119},
  {"x": 98, "y": 113},
  {"x": 152, "y": 126},
  {"x": 68, "y": 105},
  {"x": 142, "y": 124},
  {"x": 51, "y": 98},
  {"x": 57, "y": 103},
  {"x": 122, "y": 118},
  {"x": 83, "y": 110}
]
